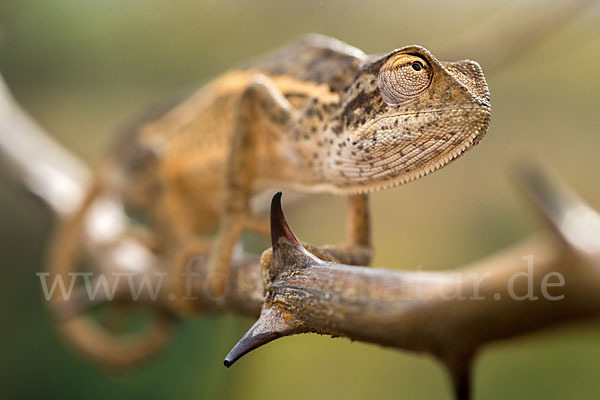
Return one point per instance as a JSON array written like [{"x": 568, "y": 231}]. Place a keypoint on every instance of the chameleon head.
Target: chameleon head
[{"x": 406, "y": 115}]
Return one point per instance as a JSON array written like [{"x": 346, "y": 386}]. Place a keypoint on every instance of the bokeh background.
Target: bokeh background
[{"x": 83, "y": 68}]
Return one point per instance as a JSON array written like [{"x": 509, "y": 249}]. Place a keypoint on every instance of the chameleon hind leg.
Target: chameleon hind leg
[{"x": 260, "y": 101}]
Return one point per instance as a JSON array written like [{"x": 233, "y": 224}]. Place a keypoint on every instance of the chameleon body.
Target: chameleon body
[{"x": 316, "y": 116}]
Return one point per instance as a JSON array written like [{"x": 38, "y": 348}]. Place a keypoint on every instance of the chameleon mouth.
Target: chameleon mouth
[
  {"x": 385, "y": 124},
  {"x": 469, "y": 75}
]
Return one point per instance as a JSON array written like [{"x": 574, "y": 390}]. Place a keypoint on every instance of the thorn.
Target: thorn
[
  {"x": 289, "y": 253},
  {"x": 270, "y": 326},
  {"x": 247, "y": 344},
  {"x": 279, "y": 226},
  {"x": 553, "y": 201}
]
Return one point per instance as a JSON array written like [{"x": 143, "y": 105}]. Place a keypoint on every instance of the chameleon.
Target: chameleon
[{"x": 315, "y": 116}]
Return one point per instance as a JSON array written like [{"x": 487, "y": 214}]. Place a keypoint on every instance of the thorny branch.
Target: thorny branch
[{"x": 449, "y": 314}]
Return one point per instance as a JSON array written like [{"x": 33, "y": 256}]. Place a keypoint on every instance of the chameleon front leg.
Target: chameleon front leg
[
  {"x": 260, "y": 99},
  {"x": 358, "y": 250},
  {"x": 359, "y": 224}
]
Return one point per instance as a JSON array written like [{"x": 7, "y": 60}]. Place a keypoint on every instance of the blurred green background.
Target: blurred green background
[{"x": 83, "y": 68}]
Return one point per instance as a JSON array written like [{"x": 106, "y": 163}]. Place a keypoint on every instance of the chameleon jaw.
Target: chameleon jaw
[
  {"x": 402, "y": 179},
  {"x": 346, "y": 178}
]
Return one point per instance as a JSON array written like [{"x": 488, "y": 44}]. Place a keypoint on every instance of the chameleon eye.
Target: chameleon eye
[{"x": 403, "y": 78}]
